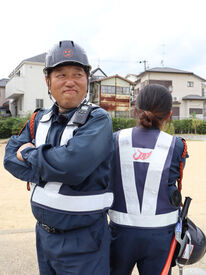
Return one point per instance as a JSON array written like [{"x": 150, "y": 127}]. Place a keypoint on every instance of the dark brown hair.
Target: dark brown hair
[{"x": 154, "y": 103}]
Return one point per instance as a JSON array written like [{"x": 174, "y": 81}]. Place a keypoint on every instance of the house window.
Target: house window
[
  {"x": 39, "y": 103},
  {"x": 123, "y": 90},
  {"x": 203, "y": 91},
  {"x": 197, "y": 111},
  {"x": 126, "y": 90},
  {"x": 108, "y": 89},
  {"x": 119, "y": 90},
  {"x": 105, "y": 89},
  {"x": 190, "y": 84},
  {"x": 111, "y": 89},
  {"x": 175, "y": 112}
]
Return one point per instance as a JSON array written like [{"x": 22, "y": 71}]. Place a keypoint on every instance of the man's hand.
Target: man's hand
[{"x": 24, "y": 146}]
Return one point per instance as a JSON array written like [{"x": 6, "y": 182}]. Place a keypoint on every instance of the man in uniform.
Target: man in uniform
[{"x": 67, "y": 164}]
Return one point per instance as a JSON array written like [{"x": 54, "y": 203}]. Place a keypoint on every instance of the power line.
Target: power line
[
  {"x": 145, "y": 62},
  {"x": 116, "y": 61}
]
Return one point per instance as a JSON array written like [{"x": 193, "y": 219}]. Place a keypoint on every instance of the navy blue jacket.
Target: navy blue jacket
[{"x": 84, "y": 163}]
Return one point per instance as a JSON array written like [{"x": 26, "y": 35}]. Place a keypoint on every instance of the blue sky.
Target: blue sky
[{"x": 116, "y": 34}]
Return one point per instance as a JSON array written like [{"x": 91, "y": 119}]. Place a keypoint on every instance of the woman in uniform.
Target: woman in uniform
[{"x": 146, "y": 197}]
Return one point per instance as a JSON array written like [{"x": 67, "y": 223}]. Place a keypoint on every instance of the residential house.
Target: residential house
[
  {"x": 4, "y": 105},
  {"x": 3, "y": 82},
  {"x": 113, "y": 94},
  {"x": 187, "y": 89},
  {"x": 26, "y": 88},
  {"x": 97, "y": 74}
]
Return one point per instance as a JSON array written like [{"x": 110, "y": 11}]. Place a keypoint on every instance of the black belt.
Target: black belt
[{"x": 51, "y": 229}]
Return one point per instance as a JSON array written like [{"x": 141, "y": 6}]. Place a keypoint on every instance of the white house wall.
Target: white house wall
[
  {"x": 179, "y": 88},
  {"x": 35, "y": 87},
  {"x": 31, "y": 84},
  {"x": 15, "y": 84},
  {"x": 179, "y": 82}
]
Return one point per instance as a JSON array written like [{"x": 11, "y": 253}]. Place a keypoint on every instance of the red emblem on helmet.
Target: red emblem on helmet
[{"x": 68, "y": 53}]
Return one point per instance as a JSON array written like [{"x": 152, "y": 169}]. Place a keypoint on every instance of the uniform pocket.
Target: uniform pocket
[
  {"x": 60, "y": 246},
  {"x": 86, "y": 241}
]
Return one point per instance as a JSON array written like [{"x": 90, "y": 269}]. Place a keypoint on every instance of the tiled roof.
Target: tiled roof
[
  {"x": 167, "y": 70},
  {"x": 194, "y": 97},
  {"x": 37, "y": 58},
  {"x": 98, "y": 69},
  {"x": 112, "y": 76}
]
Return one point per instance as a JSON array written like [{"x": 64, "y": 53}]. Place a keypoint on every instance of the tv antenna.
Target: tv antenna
[
  {"x": 163, "y": 55},
  {"x": 145, "y": 62}
]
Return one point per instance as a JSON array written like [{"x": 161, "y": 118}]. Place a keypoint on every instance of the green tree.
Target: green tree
[{"x": 195, "y": 122}]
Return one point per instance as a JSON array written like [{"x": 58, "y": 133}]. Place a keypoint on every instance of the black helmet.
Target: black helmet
[
  {"x": 66, "y": 52},
  {"x": 193, "y": 245}
]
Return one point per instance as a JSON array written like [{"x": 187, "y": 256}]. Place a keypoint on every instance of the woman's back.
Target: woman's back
[{"x": 146, "y": 169}]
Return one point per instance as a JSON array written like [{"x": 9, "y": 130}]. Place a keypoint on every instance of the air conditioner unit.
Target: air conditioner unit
[
  {"x": 175, "y": 98},
  {"x": 170, "y": 88}
]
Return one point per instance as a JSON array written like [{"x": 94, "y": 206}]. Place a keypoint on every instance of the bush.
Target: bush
[
  {"x": 201, "y": 128},
  {"x": 177, "y": 126},
  {"x": 11, "y": 126},
  {"x": 5, "y": 129},
  {"x": 186, "y": 125},
  {"x": 18, "y": 125},
  {"x": 183, "y": 126},
  {"x": 195, "y": 123},
  {"x": 123, "y": 123},
  {"x": 169, "y": 128}
]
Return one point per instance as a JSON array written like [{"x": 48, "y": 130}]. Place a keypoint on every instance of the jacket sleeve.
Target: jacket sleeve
[
  {"x": 73, "y": 163},
  {"x": 174, "y": 172},
  {"x": 17, "y": 168}
]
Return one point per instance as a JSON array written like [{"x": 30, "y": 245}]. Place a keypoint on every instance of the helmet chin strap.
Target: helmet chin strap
[{"x": 52, "y": 99}]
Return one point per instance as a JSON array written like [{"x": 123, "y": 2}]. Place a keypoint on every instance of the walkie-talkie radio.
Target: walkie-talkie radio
[{"x": 82, "y": 114}]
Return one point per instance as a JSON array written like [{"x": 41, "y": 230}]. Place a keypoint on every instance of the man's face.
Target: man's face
[{"x": 68, "y": 85}]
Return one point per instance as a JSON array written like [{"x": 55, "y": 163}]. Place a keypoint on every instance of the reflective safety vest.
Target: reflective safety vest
[
  {"x": 141, "y": 183},
  {"x": 50, "y": 196}
]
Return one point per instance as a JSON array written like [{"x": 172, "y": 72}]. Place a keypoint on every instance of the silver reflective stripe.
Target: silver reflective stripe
[
  {"x": 127, "y": 171},
  {"x": 144, "y": 221},
  {"x": 50, "y": 197},
  {"x": 42, "y": 129},
  {"x": 68, "y": 132},
  {"x": 154, "y": 173},
  {"x": 156, "y": 158}
]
